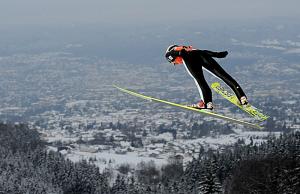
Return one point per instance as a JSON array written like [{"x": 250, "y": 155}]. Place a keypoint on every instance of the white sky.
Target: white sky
[{"x": 132, "y": 11}]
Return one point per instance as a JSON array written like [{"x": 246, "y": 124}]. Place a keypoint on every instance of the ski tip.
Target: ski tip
[
  {"x": 260, "y": 127},
  {"x": 256, "y": 126}
]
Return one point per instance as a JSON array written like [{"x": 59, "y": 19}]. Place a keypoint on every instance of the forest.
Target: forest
[{"x": 26, "y": 166}]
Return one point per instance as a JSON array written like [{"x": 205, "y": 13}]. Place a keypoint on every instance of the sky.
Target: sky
[{"x": 46, "y": 12}]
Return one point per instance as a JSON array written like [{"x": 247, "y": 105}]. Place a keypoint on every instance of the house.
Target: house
[{"x": 176, "y": 159}]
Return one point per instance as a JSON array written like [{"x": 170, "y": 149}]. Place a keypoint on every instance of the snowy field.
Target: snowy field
[
  {"x": 106, "y": 159},
  {"x": 158, "y": 153}
]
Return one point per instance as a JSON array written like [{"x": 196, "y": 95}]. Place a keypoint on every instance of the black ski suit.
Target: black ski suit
[{"x": 195, "y": 60}]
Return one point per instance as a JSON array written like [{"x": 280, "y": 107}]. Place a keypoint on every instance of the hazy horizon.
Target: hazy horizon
[
  {"x": 135, "y": 11},
  {"x": 116, "y": 30}
]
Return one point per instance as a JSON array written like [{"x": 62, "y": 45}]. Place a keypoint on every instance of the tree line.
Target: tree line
[{"x": 269, "y": 167}]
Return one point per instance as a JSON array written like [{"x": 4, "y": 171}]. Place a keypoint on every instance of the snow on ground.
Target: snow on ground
[
  {"x": 155, "y": 152},
  {"x": 290, "y": 101},
  {"x": 159, "y": 152},
  {"x": 109, "y": 158}
]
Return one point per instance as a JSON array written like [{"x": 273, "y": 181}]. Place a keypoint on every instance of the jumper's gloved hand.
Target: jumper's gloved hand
[{"x": 222, "y": 54}]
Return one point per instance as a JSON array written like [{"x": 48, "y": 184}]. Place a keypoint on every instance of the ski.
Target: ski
[
  {"x": 205, "y": 112},
  {"x": 257, "y": 114}
]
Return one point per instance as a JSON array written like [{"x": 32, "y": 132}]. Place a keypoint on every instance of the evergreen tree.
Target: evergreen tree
[
  {"x": 132, "y": 186},
  {"x": 119, "y": 187},
  {"x": 27, "y": 167},
  {"x": 209, "y": 182}
]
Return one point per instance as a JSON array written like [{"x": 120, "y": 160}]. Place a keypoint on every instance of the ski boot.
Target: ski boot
[
  {"x": 202, "y": 105},
  {"x": 244, "y": 101}
]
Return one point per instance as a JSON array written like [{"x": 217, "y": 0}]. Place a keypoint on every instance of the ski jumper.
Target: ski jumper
[{"x": 197, "y": 60}]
